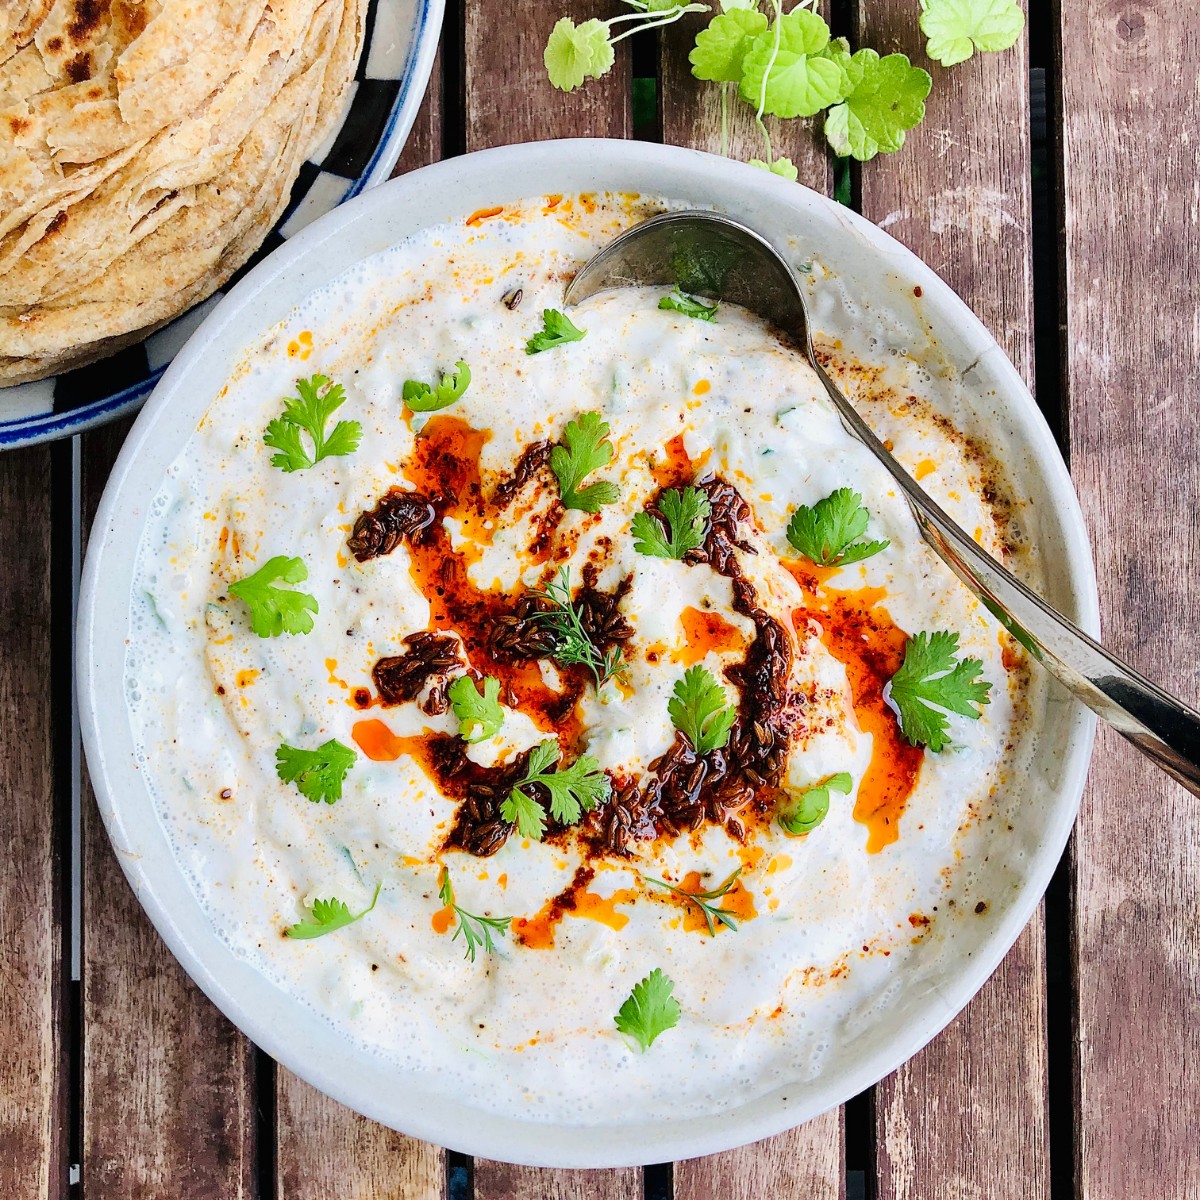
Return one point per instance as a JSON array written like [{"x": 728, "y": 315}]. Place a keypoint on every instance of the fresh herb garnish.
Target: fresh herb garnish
[
  {"x": 309, "y": 411},
  {"x": 573, "y": 791},
  {"x": 327, "y": 915},
  {"x": 479, "y": 715},
  {"x": 476, "y": 931},
  {"x": 275, "y": 610},
  {"x": 703, "y": 901},
  {"x": 826, "y": 532},
  {"x": 557, "y": 329},
  {"x": 422, "y": 398},
  {"x": 812, "y": 805},
  {"x": 571, "y": 641},
  {"x": 689, "y": 306},
  {"x": 651, "y": 1009},
  {"x": 687, "y": 514},
  {"x": 931, "y": 675},
  {"x": 318, "y": 774},
  {"x": 957, "y": 28},
  {"x": 584, "y": 449},
  {"x": 701, "y": 710},
  {"x": 886, "y": 97}
]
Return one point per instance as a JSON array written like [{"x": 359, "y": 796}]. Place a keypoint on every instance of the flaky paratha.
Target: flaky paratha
[{"x": 146, "y": 149}]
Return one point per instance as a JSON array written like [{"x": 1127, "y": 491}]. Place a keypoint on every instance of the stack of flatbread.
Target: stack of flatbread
[{"x": 146, "y": 149}]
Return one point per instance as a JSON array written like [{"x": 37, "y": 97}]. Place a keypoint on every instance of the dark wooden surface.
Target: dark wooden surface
[{"x": 1075, "y": 1072}]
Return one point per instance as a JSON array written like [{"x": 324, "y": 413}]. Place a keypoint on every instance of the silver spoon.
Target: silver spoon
[{"x": 709, "y": 255}]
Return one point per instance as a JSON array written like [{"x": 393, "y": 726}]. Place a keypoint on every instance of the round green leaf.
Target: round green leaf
[
  {"x": 795, "y": 80},
  {"x": 957, "y": 28},
  {"x": 887, "y": 97},
  {"x": 721, "y": 48}
]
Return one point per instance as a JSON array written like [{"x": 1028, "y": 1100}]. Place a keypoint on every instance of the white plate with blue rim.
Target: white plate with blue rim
[{"x": 399, "y": 44}]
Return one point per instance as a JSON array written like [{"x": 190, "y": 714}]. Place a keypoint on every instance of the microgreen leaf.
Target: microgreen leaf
[
  {"x": 812, "y": 805},
  {"x": 479, "y": 714},
  {"x": 886, "y": 97},
  {"x": 784, "y": 72},
  {"x": 650, "y": 1010},
  {"x": 557, "y": 329},
  {"x": 713, "y": 916},
  {"x": 783, "y": 167},
  {"x": 327, "y": 915},
  {"x": 687, "y": 514},
  {"x": 572, "y": 645},
  {"x": 689, "y": 306},
  {"x": 701, "y": 710},
  {"x": 577, "y": 52},
  {"x": 318, "y": 774},
  {"x": 572, "y": 791},
  {"x": 931, "y": 675},
  {"x": 421, "y": 398},
  {"x": 475, "y": 931},
  {"x": 584, "y": 449},
  {"x": 275, "y": 610},
  {"x": 826, "y": 532},
  {"x": 957, "y": 28},
  {"x": 721, "y": 47},
  {"x": 317, "y": 401}
]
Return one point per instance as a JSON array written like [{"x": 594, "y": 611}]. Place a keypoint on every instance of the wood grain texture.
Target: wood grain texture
[
  {"x": 507, "y": 97},
  {"x": 32, "y": 1087},
  {"x": 691, "y": 113},
  {"x": 805, "y": 1162},
  {"x": 1132, "y": 239},
  {"x": 168, "y": 1095},
  {"x": 323, "y": 1149},
  {"x": 808, "y": 1161},
  {"x": 503, "y": 1181},
  {"x": 968, "y": 1115}
]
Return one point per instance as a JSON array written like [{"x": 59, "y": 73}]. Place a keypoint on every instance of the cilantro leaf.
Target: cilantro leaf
[
  {"x": 783, "y": 167},
  {"x": 886, "y": 97},
  {"x": 930, "y": 675},
  {"x": 276, "y": 610},
  {"x": 721, "y": 48},
  {"x": 687, "y": 514},
  {"x": 421, "y": 398},
  {"x": 577, "y": 52},
  {"x": 812, "y": 805},
  {"x": 327, "y": 915},
  {"x": 689, "y": 306},
  {"x": 585, "y": 451},
  {"x": 701, "y": 711},
  {"x": 308, "y": 412},
  {"x": 793, "y": 78},
  {"x": 476, "y": 931},
  {"x": 957, "y": 28},
  {"x": 572, "y": 791},
  {"x": 557, "y": 329},
  {"x": 318, "y": 774},
  {"x": 479, "y": 715},
  {"x": 651, "y": 1009},
  {"x": 826, "y": 532}
]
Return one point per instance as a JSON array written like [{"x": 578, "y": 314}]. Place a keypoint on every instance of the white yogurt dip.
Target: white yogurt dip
[{"x": 826, "y": 923}]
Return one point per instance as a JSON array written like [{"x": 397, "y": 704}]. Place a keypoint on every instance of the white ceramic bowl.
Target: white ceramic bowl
[{"x": 868, "y": 265}]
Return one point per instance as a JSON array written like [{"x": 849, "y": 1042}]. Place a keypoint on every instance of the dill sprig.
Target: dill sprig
[
  {"x": 712, "y": 914},
  {"x": 571, "y": 642}
]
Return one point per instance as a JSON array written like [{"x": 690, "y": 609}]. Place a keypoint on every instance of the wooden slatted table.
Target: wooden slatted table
[{"x": 1077, "y": 1068}]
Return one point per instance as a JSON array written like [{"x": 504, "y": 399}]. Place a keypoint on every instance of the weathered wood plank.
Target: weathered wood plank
[
  {"x": 168, "y": 1083},
  {"x": 805, "y": 1162},
  {"x": 692, "y": 113},
  {"x": 808, "y": 1161},
  {"x": 32, "y": 1088},
  {"x": 1132, "y": 236},
  {"x": 507, "y": 95},
  {"x": 958, "y": 195},
  {"x": 324, "y": 1149},
  {"x": 503, "y": 1181}
]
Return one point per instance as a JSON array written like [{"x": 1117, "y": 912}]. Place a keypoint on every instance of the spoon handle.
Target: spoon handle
[{"x": 1162, "y": 727}]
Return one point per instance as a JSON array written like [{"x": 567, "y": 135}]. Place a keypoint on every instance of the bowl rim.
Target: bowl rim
[{"x": 227, "y": 981}]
